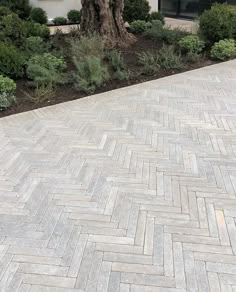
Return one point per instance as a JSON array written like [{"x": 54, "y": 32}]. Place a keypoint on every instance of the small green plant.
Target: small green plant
[
  {"x": 136, "y": 10},
  {"x": 7, "y": 92},
  {"x": 46, "y": 70},
  {"x": 159, "y": 33},
  {"x": 34, "y": 46},
  {"x": 157, "y": 15},
  {"x": 149, "y": 62},
  {"x": 168, "y": 58},
  {"x": 139, "y": 26},
  {"x": 218, "y": 23},
  {"x": 38, "y": 15},
  {"x": 116, "y": 60},
  {"x": 12, "y": 61},
  {"x": 74, "y": 16},
  {"x": 193, "y": 57},
  {"x": 192, "y": 44},
  {"x": 92, "y": 45},
  {"x": 173, "y": 36},
  {"x": 60, "y": 20},
  {"x": 223, "y": 49},
  {"x": 43, "y": 93},
  {"x": 90, "y": 73},
  {"x": 155, "y": 32}
]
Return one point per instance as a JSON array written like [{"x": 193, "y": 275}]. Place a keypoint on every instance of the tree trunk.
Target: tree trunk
[{"x": 105, "y": 18}]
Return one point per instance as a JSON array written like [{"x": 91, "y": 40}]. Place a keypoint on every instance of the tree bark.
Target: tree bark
[{"x": 105, "y": 18}]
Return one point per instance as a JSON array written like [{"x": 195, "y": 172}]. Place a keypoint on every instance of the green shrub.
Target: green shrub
[
  {"x": 74, "y": 16},
  {"x": 156, "y": 15},
  {"x": 223, "y": 49},
  {"x": 13, "y": 30},
  {"x": 139, "y": 26},
  {"x": 46, "y": 70},
  {"x": 118, "y": 66},
  {"x": 149, "y": 62},
  {"x": 90, "y": 73},
  {"x": 38, "y": 15},
  {"x": 20, "y": 7},
  {"x": 92, "y": 45},
  {"x": 156, "y": 31},
  {"x": 159, "y": 33},
  {"x": 34, "y": 46},
  {"x": 36, "y": 29},
  {"x": 7, "y": 92},
  {"x": 60, "y": 20},
  {"x": 173, "y": 36},
  {"x": 136, "y": 10},
  {"x": 12, "y": 61},
  {"x": 191, "y": 44},
  {"x": 4, "y": 11},
  {"x": 218, "y": 23},
  {"x": 168, "y": 58}
]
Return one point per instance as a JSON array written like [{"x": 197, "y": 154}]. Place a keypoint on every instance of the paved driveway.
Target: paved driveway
[{"x": 132, "y": 190}]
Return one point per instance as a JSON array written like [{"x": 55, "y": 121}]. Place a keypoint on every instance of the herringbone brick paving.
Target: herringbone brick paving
[{"x": 131, "y": 190}]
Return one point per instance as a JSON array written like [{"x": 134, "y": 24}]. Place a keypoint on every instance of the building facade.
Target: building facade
[
  {"x": 187, "y": 8},
  {"x": 171, "y": 8},
  {"x": 56, "y": 8}
]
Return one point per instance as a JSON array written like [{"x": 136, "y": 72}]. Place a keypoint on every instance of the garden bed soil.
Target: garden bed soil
[{"x": 67, "y": 92}]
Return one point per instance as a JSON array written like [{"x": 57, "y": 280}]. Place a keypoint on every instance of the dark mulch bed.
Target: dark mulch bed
[{"x": 67, "y": 92}]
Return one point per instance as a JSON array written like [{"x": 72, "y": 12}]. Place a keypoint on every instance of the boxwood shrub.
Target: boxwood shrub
[
  {"x": 139, "y": 26},
  {"x": 12, "y": 61},
  {"x": 157, "y": 15},
  {"x": 60, "y": 20},
  {"x": 218, "y": 23},
  {"x": 13, "y": 29},
  {"x": 38, "y": 15},
  {"x": 136, "y": 10},
  {"x": 74, "y": 16},
  {"x": 223, "y": 49},
  {"x": 191, "y": 44}
]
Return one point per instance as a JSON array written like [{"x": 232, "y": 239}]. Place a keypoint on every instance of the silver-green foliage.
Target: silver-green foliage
[
  {"x": 168, "y": 58},
  {"x": 90, "y": 73},
  {"x": 91, "y": 45},
  {"x": 7, "y": 92},
  {"x": 149, "y": 62},
  {"x": 118, "y": 66},
  {"x": 87, "y": 55},
  {"x": 165, "y": 58}
]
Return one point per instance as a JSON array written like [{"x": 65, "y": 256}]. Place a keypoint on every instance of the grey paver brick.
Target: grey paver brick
[{"x": 131, "y": 190}]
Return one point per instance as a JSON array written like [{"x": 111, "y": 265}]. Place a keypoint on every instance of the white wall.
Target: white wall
[
  {"x": 56, "y": 8},
  {"x": 154, "y": 5}
]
